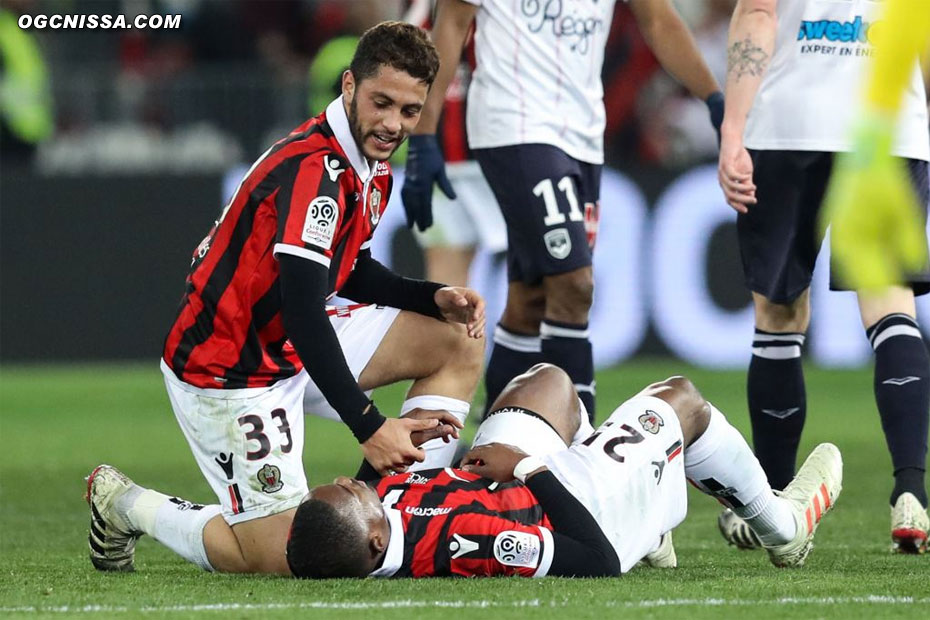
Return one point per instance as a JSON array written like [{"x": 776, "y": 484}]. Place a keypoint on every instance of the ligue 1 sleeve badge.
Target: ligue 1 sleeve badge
[
  {"x": 269, "y": 477},
  {"x": 651, "y": 421}
]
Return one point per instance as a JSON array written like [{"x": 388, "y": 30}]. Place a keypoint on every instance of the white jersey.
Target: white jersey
[
  {"x": 807, "y": 98},
  {"x": 538, "y": 75}
]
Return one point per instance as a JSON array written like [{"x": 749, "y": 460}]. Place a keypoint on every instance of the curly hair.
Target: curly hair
[
  {"x": 399, "y": 45},
  {"x": 325, "y": 544}
]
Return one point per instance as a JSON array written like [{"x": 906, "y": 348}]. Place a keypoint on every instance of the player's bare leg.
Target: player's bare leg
[
  {"x": 719, "y": 462},
  {"x": 902, "y": 393},
  {"x": 564, "y": 329},
  {"x": 444, "y": 363},
  {"x": 122, "y": 511},
  {"x": 449, "y": 264},
  {"x": 545, "y": 390}
]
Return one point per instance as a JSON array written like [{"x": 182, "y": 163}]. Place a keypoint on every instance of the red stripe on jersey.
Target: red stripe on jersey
[{"x": 302, "y": 193}]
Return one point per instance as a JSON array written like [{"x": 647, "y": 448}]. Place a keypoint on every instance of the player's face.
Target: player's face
[
  {"x": 350, "y": 496},
  {"x": 383, "y": 109}
]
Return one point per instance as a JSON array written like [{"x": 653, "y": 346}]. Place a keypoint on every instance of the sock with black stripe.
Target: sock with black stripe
[
  {"x": 513, "y": 354},
  {"x": 720, "y": 463},
  {"x": 777, "y": 402},
  {"x": 902, "y": 393},
  {"x": 567, "y": 346}
]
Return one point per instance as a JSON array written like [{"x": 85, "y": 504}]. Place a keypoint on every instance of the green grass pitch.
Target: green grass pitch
[{"x": 58, "y": 422}]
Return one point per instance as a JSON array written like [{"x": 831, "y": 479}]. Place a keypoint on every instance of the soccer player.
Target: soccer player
[
  {"x": 525, "y": 504},
  {"x": 253, "y": 338},
  {"x": 535, "y": 123},
  {"x": 869, "y": 184},
  {"x": 791, "y": 77}
]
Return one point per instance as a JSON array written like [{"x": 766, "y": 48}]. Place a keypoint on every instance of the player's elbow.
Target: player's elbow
[{"x": 755, "y": 8}]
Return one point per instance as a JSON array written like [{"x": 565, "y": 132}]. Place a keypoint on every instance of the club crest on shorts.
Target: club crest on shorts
[
  {"x": 651, "y": 421},
  {"x": 269, "y": 477},
  {"x": 558, "y": 243}
]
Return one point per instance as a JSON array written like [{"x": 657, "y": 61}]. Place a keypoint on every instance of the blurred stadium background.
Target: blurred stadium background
[{"x": 138, "y": 136}]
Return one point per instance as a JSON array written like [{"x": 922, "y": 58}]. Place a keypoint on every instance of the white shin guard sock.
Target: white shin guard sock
[
  {"x": 438, "y": 452},
  {"x": 721, "y": 464},
  {"x": 176, "y": 523}
]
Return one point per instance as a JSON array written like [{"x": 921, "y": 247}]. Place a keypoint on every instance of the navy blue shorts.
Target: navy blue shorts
[
  {"x": 550, "y": 204},
  {"x": 779, "y": 237}
]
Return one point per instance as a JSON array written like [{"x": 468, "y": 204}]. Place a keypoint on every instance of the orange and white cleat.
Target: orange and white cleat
[
  {"x": 812, "y": 493},
  {"x": 909, "y": 525}
]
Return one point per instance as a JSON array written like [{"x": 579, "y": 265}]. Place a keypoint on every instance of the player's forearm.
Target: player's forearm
[
  {"x": 906, "y": 31},
  {"x": 453, "y": 19},
  {"x": 303, "y": 313},
  {"x": 372, "y": 282},
  {"x": 571, "y": 520},
  {"x": 749, "y": 51},
  {"x": 670, "y": 40}
]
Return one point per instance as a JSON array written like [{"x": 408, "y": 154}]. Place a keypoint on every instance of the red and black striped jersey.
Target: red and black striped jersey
[
  {"x": 314, "y": 195},
  {"x": 450, "y": 522}
]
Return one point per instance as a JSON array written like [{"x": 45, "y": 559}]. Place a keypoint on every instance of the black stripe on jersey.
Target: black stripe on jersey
[
  {"x": 442, "y": 558},
  {"x": 223, "y": 273},
  {"x": 251, "y": 355},
  {"x": 435, "y": 497}
]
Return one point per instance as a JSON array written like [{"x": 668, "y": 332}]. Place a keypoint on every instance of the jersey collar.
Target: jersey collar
[
  {"x": 339, "y": 122},
  {"x": 394, "y": 554}
]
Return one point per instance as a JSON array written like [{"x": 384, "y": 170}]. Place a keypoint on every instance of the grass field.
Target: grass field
[{"x": 57, "y": 423}]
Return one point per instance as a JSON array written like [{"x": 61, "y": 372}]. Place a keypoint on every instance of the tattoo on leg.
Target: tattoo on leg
[{"x": 746, "y": 58}]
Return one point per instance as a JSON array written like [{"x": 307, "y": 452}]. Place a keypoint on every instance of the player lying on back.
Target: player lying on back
[{"x": 526, "y": 503}]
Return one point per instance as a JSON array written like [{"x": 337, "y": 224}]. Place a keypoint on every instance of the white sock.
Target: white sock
[
  {"x": 585, "y": 429},
  {"x": 438, "y": 452},
  {"x": 176, "y": 523},
  {"x": 720, "y": 463}
]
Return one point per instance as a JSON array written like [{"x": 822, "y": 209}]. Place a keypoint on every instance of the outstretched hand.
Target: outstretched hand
[
  {"x": 462, "y": 305},
  {"x": 447, "y": 429},
  {"x": 494, "y": 461},
  {"x": 392, "y": 448}
]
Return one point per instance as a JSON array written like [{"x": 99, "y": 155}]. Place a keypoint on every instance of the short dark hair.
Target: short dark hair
[
  {"x": 399, "y": 45},
  {"x": 325, "y": 544}
]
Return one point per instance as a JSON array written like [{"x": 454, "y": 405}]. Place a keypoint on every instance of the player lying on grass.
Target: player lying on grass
[
  {"x": 592, "y": 509},
  {"x": 254, "y": 345}
]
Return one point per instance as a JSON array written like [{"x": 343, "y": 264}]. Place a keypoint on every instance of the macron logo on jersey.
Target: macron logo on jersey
[
  {"x": 835, "y": 31},
  {"x": 333, "y": 168}
]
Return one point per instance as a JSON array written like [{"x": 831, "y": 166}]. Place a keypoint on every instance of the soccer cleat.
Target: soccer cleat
[
  {"x": 664, "y": 556},
  {"x": 909, "y": 525},
  {"x": 112, "y": 539},
  {"x": 736, "y": 531},
  {"x": 812, "y": 494}
]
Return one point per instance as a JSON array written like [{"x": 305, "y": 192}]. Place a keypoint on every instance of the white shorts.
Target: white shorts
[
  {"x": 630, "y": 475},
  {"x": 249, "y": 443},
  {"x": 517, "y": 427},
  {"x": 360, "y": 329},
  {"x": 472, "y": 219}
]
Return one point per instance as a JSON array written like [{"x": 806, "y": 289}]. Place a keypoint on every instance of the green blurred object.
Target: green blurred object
[{"x": 25, "y": 96}]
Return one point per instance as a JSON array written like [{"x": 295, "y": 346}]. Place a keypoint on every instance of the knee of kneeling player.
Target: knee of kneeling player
[
  {"x": 689, "y": 405},
  {"x": 324, "y": 543}
]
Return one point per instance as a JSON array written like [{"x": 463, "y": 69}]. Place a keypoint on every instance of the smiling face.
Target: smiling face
[{"x": 383, "y": 109}]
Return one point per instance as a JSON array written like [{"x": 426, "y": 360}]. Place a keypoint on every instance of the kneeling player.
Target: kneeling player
[{"x": 592, "y": 509}]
